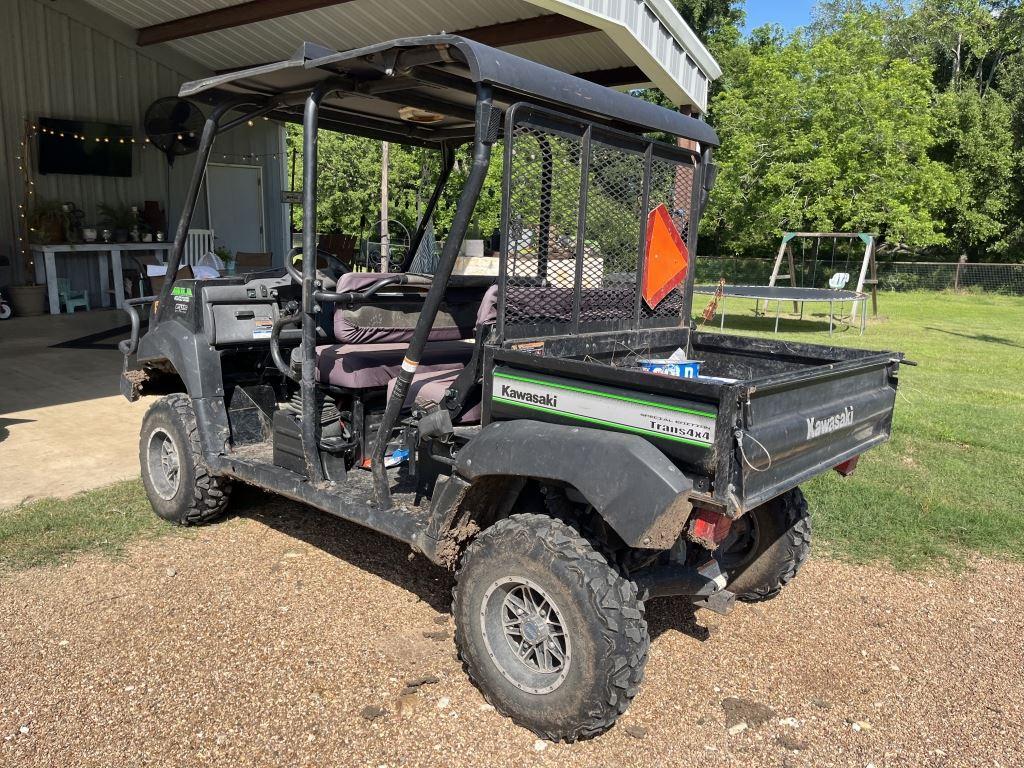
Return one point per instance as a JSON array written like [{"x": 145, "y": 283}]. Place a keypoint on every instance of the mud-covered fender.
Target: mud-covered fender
[
  {"x": 631, "y": 484},
  {"x": 198, "y": 365}
]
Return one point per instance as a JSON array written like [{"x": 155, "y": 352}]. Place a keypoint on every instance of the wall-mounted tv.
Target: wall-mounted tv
[{"x": 84, "y": 148}]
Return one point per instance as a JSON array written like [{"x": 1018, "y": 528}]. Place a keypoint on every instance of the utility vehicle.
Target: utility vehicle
[{"x": 563, "y": 483}]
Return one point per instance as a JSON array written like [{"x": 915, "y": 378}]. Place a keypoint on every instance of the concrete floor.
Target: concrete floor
[{"x": 64, "y": 426}]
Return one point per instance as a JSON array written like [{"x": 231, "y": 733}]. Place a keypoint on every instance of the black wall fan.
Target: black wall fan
[{"x": 174, "y": 126}]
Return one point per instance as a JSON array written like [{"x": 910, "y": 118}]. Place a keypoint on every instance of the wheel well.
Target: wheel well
[{"x": 496, "y": 497}]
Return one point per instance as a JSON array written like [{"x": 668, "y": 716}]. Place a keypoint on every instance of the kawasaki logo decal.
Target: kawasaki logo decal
[
  {"x": 181, "y": 291},
  {"x": 523, "y": 396},
  {"x": 613, "y": 409},
  {"x": 819, "y": 427}
]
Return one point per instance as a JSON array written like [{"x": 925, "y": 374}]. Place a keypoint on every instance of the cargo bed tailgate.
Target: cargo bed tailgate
[{"x": 797, "y": 425}]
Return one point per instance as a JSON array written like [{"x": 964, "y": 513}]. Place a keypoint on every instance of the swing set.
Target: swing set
[
  {"x": 810, "y": 280},
  {"x": 837, "y": 279}
]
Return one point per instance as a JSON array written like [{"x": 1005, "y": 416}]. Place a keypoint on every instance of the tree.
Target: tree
[
  {"x": 349, "y": 177},
  {"x": 973, "y": 47},
  {"x": 824, "y": 131}
]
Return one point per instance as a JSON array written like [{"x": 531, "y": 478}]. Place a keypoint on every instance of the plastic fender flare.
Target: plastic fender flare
[
  {"x": 198, "y": 365},
  {"x": 631, "y": 484}
]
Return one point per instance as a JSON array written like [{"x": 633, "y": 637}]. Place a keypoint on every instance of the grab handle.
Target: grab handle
[{"x": 129, "y": 345}]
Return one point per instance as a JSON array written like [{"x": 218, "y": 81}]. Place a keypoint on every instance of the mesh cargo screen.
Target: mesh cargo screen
[{"x": 577, "y": 198}]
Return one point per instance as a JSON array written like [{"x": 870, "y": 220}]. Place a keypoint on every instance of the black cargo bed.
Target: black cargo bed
[{"x": 790, "y": 412}]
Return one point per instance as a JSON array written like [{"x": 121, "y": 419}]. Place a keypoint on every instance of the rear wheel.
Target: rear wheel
[
  {"x": 766, "y": 547},
  {"x": 553, "y": 636},
  {"x": 5, "y": 311},
  {"x": 178, "y": 484}
]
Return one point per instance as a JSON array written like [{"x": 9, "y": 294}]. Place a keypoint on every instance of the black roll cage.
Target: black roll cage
[{"x": 392, "y": 72}]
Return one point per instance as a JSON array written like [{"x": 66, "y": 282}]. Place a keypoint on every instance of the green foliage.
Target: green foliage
[
  {"x": 826, "y": 132},
  {"x": 903, "y": 118},
  {"x": 348, "y": 184},
  {"x": 977, "y": 146}
]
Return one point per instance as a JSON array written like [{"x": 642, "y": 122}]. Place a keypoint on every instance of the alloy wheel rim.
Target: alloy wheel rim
[
  {"x": 525, "y": 634},
  {"x": 164, "y": 464}
]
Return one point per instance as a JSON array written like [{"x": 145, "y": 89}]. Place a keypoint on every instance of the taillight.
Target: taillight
[
  {"x": 846, "y": 468},
  {"x": 708, "y": 528}
]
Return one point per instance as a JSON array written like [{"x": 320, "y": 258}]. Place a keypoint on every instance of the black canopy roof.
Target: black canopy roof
[{"x": 421, "y": 90}]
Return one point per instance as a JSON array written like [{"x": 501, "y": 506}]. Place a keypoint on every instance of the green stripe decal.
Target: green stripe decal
[
  {"x": 612, "y": 424},
  {"x": 609, "y": 395}
]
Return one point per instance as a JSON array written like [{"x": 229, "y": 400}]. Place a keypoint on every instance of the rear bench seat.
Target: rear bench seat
[{"x": 373, "y": 339}]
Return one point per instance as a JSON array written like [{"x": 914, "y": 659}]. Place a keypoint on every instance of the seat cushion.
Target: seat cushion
[
  {"x": 430, "y": 386},
  {"x": 361, "y": 366}
]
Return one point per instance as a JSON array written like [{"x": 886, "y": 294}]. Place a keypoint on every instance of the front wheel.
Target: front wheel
[
  {"x": 553, "y": 636},
  {"x": 5, "y": 311},
  {"x": 766, "y": 547},
  {"x": 179, "y": 486}
]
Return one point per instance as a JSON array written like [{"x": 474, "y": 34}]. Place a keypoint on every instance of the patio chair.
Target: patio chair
[
  {"x": 341, "y": 245},
  {"x": 838, "y": 282},
  {"x": 251, "y": 261},
  {"x": 198, "y": 243},
  {"x": 71, "y": 299}
]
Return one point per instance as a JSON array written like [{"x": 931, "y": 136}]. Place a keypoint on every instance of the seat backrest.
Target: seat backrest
[
  {"x": 488, "y": 310},
  {"x": 839, "y": 281},
  {"x": 392, "y": 318}
]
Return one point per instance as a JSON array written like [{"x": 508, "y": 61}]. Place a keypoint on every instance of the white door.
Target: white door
[{"x": 234, "y": 196}]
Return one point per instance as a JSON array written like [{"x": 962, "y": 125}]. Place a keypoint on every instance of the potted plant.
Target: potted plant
[
  {"x": 46, "y": 221},
  {"x": 119, "y": 218},
  {"x": 226, "y": 256}
]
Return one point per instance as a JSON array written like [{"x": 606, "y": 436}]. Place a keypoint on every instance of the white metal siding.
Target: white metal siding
[
  {"x": 342, "y": 27},
  {"x": 648, "y": 33},
  {"x": 55, "y": 66},
  {"x": 650, "y": 42}
]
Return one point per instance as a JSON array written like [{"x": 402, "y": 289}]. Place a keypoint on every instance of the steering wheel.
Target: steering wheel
[{"x": 326, "y": 280}]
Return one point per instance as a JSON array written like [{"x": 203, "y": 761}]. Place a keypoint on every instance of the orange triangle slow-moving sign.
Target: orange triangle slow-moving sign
[{"x": 665, "y": 257}]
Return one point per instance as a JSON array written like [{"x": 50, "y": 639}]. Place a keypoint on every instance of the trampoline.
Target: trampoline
[{"x": 779, "y": 294}]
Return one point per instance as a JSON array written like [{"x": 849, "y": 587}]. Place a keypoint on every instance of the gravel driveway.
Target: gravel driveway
[{"x": 288, "y": 638}]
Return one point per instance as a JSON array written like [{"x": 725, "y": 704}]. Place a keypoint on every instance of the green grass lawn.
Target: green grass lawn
[
  {"x": 54, "y": 530},
  {"x": 950, "y": 482}
]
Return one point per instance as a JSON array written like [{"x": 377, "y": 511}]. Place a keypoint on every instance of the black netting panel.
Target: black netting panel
[
  {"x": 542, "y": 228},
  {"x": 566, "y": 272},
  {"x": 613, "y": 223}
]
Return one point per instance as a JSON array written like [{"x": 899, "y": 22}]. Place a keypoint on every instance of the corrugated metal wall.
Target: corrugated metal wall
[{"x": 52, "y": 65}]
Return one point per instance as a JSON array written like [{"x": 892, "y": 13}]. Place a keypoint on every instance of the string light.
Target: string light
[
  {"x": 32, "y": 130},
  {"x": 145, "y": 142}
]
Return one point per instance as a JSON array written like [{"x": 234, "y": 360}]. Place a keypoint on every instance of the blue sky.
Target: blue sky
[{"x": 789, "y": 15}]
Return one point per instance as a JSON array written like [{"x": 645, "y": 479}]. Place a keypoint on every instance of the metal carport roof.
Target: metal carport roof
[{"x": 613, "y": 42}]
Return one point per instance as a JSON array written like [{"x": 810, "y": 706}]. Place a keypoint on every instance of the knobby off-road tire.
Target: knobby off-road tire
[
  {"x": 180, "y": 487},
  {"x": 767, "y": 547},
  {"x": 594, "y": 667}
]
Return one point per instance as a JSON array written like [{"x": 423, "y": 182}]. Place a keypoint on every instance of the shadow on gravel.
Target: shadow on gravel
[
  {"x": 674, "y": 614},
  {"x": 363, "y": 548},
  {"x": 390, "y": 560}
]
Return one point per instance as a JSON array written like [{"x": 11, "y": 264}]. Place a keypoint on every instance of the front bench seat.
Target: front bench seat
[
  {"x": 364, "y": 366},
  {"x": 375, "y": 339},
  {"x": 431, "y": 385}
]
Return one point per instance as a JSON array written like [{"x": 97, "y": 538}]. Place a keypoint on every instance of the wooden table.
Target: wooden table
[{"x": 46, "y": 266}]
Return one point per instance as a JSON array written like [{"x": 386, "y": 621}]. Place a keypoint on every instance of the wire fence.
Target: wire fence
[{"x": 892, "y": 276}]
